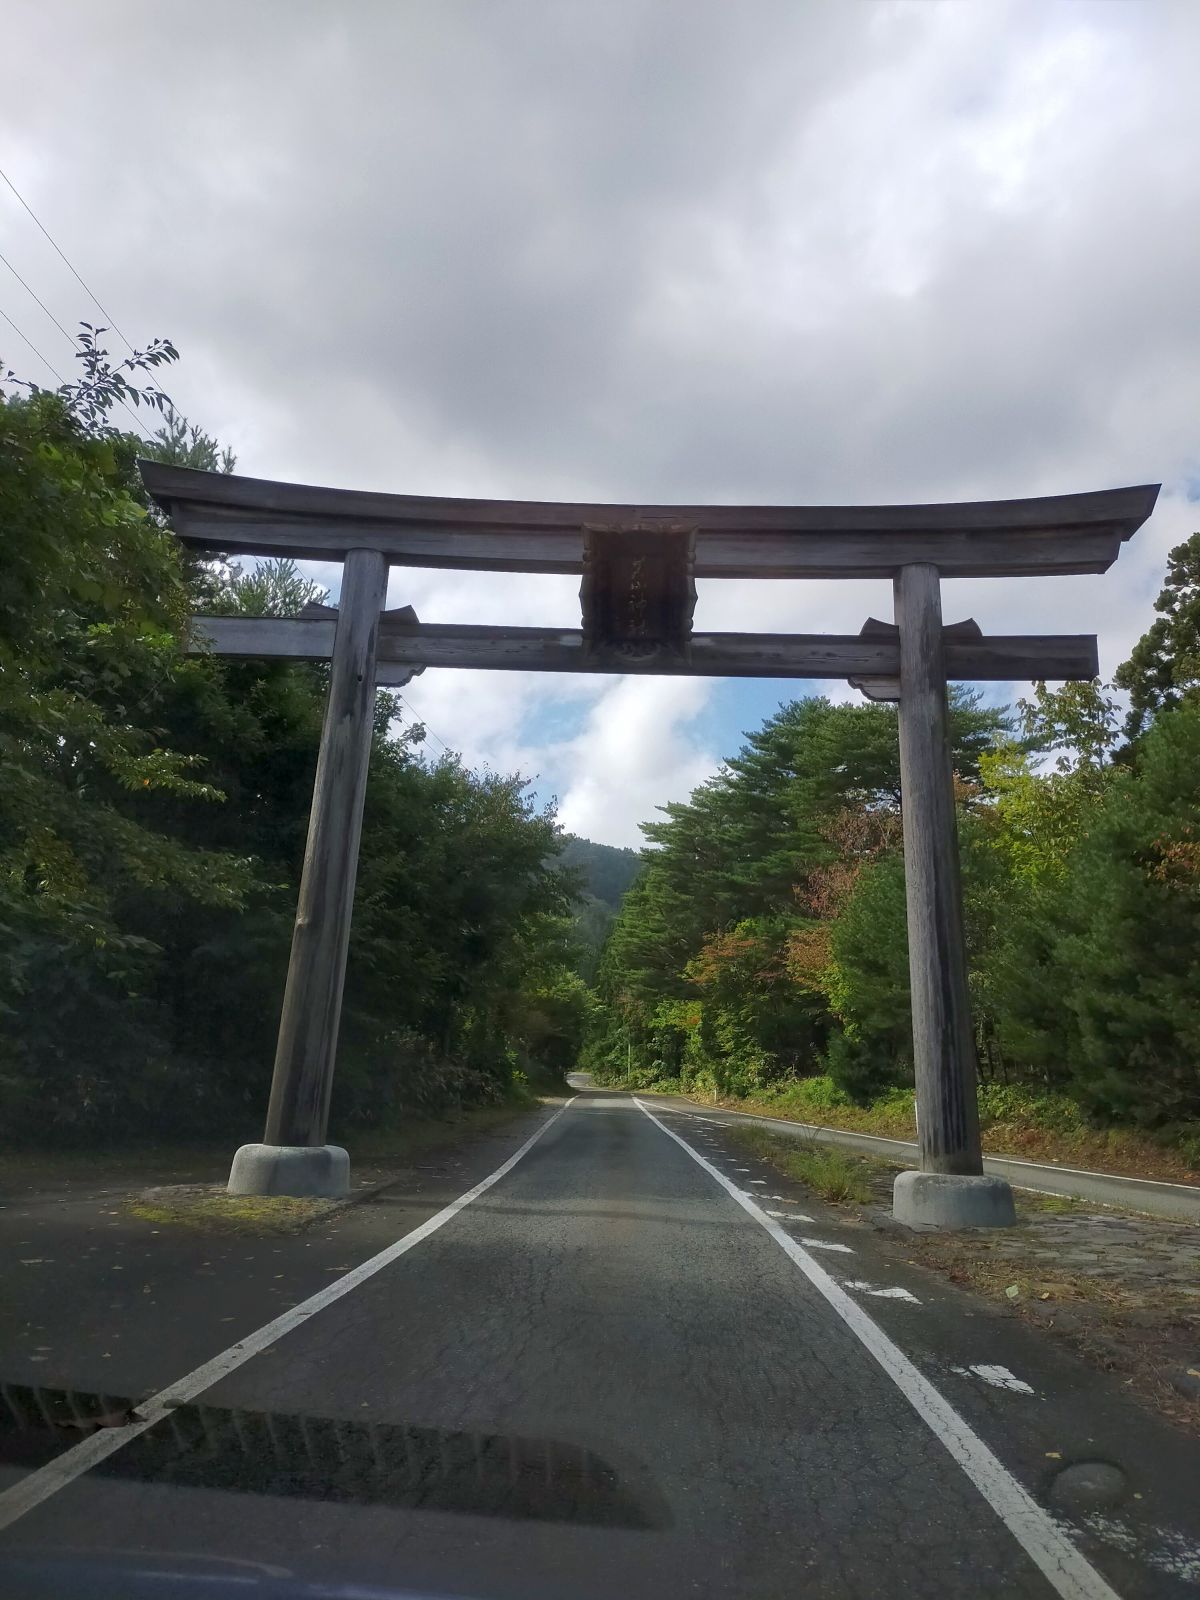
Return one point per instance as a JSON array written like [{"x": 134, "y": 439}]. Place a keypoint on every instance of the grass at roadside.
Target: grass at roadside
[
  {"x": 1014, "y": 1123},
  {"x": 231, "y": 1213},
  {"x": 830, "y": 1173}
]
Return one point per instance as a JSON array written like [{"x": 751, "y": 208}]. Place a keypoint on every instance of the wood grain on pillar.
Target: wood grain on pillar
[{"x": 943, "y": 1037}]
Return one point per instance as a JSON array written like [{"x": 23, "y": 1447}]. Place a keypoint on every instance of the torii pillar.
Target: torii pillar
[
  {"x": 294, "y": 1158},
  {"x": 951, "y": 1189}
]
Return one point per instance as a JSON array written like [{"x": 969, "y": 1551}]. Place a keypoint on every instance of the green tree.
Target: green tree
[
  {"x": 1041, "y": 814},
  {"x": 153, "y": 812},
  {"x": 92, "y": 606},
  {"x": 1125, "y": 941},
  {"x": 179, "y": 443},
  {"x": 871, "y": 1048},
  {"x": 1164, "y": 666},
  {"x": 716, "y": 965}
]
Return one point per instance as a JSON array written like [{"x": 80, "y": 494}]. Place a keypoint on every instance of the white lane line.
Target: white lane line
[
  {"x": 827, "y": 1244},
  {"x": 1068, "y": 1571},
  {"x": 998, "y": 1377},
  {"x": 64, "y": 1469},
  {"x": 892, "y": 1293}
]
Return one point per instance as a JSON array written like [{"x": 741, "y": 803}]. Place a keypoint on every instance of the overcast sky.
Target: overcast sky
[{"x": 639, "y": 250}]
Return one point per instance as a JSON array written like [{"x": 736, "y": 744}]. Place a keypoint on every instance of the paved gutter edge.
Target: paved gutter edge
[{"x": 1175, "y": 1202}]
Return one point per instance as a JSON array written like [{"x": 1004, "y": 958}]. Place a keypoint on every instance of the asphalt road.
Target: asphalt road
[
  {"x": 1179, "y": 1201},
  {"x": 618, "y": 1371}
]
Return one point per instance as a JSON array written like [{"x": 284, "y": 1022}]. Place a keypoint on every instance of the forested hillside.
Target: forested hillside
[
  {"x": 604, "y": 872},
  {"x": 153, "y": 810},
  {"x": 763, "y": 949}
]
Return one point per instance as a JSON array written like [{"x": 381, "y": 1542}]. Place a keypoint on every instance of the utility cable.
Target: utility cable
[
  {"x": 91, "y": 294},
  {"x": 33, "y": 347},
  {"x": 417, "y": 718}
]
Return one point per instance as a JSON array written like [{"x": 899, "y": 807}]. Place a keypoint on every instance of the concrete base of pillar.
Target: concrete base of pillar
[
  {"x": 950, "y": 1200},
  {"x": 310, "y": 1172}
]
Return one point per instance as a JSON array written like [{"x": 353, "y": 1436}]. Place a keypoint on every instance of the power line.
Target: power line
[
  {"x": 89, "y": 292},
  {"x": 72, "y": 338},
  {"x": 424, "y": 724},
  {"x": 32, "y": 346}
]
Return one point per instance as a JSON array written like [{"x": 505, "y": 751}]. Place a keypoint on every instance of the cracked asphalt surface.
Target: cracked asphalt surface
[{"x": 603, "y": 1378}]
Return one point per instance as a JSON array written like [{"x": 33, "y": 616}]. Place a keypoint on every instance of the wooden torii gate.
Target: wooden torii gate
[{"x": 638, "y": 566}]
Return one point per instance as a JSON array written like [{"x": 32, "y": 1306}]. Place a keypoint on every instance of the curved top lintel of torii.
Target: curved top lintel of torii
[{"x": 1050, "y": 534}]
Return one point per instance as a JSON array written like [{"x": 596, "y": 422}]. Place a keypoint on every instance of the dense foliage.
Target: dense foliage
[
  {"x": 153, "y": 809},
  {"x": 604, "y": 872},
  {"x": 764, "y": 942}
]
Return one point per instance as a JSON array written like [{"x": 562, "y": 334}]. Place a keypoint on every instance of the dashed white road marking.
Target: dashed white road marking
[
  {"x": 787, "y": 1216},
  {"x": 1067, "y": 1570},
  {"x": 895, "y": 1292},
  {"x": 73, "y": 1463},
  {"x": 827, "y": 1244},
  {"x": 998, "y": 1377}
]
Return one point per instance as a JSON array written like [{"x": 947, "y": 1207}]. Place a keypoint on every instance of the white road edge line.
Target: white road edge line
[
  {"x": 1067, "y": 1569},
  {"x": 38, "y": 1486}
]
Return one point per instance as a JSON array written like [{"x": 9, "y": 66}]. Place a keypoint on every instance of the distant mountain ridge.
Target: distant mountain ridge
[{"x": 607, "y": 871}]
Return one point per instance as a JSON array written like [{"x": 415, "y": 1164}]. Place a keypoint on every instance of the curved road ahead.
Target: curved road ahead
[{"x": 634, "y": 1365}]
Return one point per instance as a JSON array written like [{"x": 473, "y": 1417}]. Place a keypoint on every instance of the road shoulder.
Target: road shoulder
[
  {"x": 99, "y": 1294},
  {"x": 1061, "y": 1424}
]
